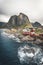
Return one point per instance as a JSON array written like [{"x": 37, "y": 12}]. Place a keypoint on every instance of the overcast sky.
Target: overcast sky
[{"x": 32, "y": 8}]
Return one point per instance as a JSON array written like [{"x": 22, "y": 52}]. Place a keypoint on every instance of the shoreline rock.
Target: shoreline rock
[{"x": 25, "y": 38}]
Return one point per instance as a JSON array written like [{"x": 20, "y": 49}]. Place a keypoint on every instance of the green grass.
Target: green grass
[{"x": 38, "y": 31}]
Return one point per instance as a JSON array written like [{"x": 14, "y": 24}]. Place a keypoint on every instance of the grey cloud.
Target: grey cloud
[{"x": 32, "y": 8}]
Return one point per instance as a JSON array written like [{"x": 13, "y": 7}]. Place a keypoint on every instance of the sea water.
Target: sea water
[{"x": 13, "y": 52}]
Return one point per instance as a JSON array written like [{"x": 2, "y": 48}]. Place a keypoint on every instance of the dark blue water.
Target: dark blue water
[{"x": 9, "y": 51}]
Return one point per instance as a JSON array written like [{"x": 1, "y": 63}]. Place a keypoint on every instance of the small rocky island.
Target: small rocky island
[{"x": 20, "y": 26}]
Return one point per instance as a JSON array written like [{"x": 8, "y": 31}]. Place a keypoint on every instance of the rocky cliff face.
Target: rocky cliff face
[{"x": 16, "y": 21}]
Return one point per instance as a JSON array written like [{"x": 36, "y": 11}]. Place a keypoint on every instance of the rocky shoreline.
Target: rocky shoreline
[{"x": 23, "y": 38}]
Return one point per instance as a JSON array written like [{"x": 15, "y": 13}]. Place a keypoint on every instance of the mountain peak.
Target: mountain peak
[
  {"x": 36, "y": 24},
  {"x": 18, "y": 21}
]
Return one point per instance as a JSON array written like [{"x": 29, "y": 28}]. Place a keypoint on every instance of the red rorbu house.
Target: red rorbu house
[
  {"x": 26, "y": 33},
  {"x": 30, "y": 32}
]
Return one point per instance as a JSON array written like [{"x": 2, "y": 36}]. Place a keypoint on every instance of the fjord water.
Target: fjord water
[{"x": 9, "y": 51}]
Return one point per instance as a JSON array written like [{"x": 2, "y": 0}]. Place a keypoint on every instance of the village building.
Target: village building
[{"x": 28, "y": 31}]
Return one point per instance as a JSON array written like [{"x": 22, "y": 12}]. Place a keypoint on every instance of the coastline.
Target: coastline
[{"x": 23, "y": 38}]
